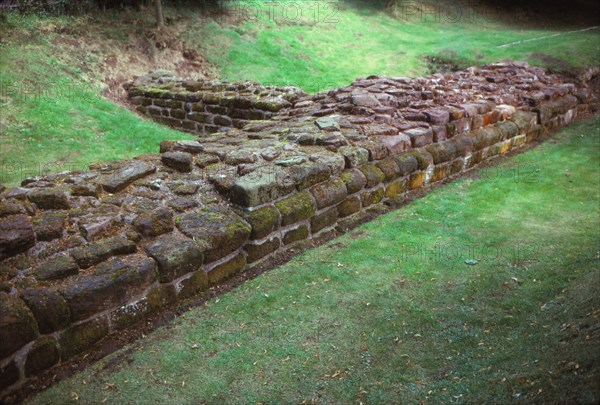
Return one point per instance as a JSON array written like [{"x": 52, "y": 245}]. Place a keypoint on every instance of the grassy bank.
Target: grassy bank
[{"x": 392, "y": 312}]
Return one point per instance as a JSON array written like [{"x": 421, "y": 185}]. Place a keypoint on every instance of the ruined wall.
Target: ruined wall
[
  {"x": 85, "y": 254},
  {"x": 207, "y": 106}
]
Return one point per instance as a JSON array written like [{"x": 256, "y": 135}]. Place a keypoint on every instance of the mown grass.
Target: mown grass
[{"x": 391, "y": 313}]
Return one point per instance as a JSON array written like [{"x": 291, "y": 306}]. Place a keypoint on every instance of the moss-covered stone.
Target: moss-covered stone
[
  {"x": 394, "y": 189},
  {"x": 296, "y": 208},
  {"x": 407, "y": 163},
  {"x": 113, "y": 283},
  {"x": 354, "y": 156},
  {"x": 348, "y": 207},
  {"x": 161, "y": 297},
  {"x": 423, "y": 158},
  {"x": 56, "y": 268},
  {"x": 17, "y": 324},
  {"x": 227, "y": 269},
  {"x": 263, "y": 221},
  {"x": 373, "y": 174},
  {"x": 101, "y": 250},
  {"x": 372, "y": 197},
  {"x": 43, "y": 355},
  {"x": 416, "y": 180},
  {"x": 439, "y": 173},
  {"x": 257, "y": 251},
  {"x": 193, "y": 285},
  {"x": 296, "y": 234},
  {"x": 219, "y": 227},
  {"x": 310, "y": 173},
  {"x": 155, "y": 222},
  {"x": 329, "y": 193},
  {"x": 389, "y": 168},
  {"x": 323, "y": 220},
  {"x": 176, "y": 256},
  {"x": 49, "y": 198},
  {"x": 445, "y": 151},
  {"x": 354, "y": 179},
  {"x": 49, "y": 308},
  {"x": 16, "y": 235},
  {"x": 80, "y": 337}
]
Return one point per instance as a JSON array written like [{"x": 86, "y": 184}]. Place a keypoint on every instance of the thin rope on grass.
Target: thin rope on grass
[{"x": 548, "y": 36}]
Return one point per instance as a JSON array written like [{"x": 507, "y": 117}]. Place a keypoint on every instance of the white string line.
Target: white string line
[{"x": 548, "y": 36}]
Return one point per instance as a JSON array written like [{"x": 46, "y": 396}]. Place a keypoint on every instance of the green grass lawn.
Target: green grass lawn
[
  {"x": 53, "y": 116},
  {"x": 391, "y": 313}
]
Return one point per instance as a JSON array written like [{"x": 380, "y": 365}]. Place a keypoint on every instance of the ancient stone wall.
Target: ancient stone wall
[
  {"x": 207, "y": 106},
  {"x": 85, "y": 254}
]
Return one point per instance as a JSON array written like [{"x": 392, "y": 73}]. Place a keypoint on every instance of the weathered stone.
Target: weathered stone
[
  {"x": 350, "y": 206},
  {"x": 437, "y": 116},
  {"x": 113, "y": 283},
  {"x": 439, "y": 133},
  {"x": 17, "y": 324},
  {"x": 354, "y": 156},
  {"x": 394, "y": 189},
  {"x": 180, "y": 161},
  {"x": 508, "y": 128},
  {"x": 193, "y": 147},
  {"x": 220, "y": 228},
  {"x": 49, "y": 198},
  {"x": 10, "y": 208},
  {"x": 296, "y": 208},
  {"x": 82, "y": 336},
  {"x": 377, "y": 150},
  {"x": 420, "y": 136},
  {"x": 186, "y": 189},
  {"x": 124, "y": 176},
  {"x": 49, "y": 308},
  {"x": 407, "y": 164},
  {"x": 389, "y": 168},
  {"x": 396, "y": 144},
  {"x": 291, "y": 161},
  {"x": 49, "y": 226},
  {"x": 416, "y": 180},
  {"x": 323, "y": 220},
  {"x": 94, "y": 226},
  {"x": 360, "y": 99},
  {"x": 423, "y": 157},
  {"x": 154, "y": 223},
  {"x": 444, "y": 152},
  {"x": 263, "y": 221},
  {"x": 56, "y": 269},
  {"x": 373, "y": 174},
  {"x": 309, "y": 173},
  {"x": 372, "y": 197},
  {"x": 194, "y": 284},
  {"x": 237, "y": 157},
  {"x": 204, "y": 160},
  {"x": 329, "y": 193},
  {"x": 327, "y": 124},
  {"x": 86, "y": 190},
  {"x": 295, "y": 235},
  {"x": 176, "y": 256},
  {"x": 257, "y": 251},
  {"x": 262, "y": 185},
  {"x": 43, "y": 355},
  {"x": 16, "y": 235},
  {"x": 181, "y": 204},
  {"x": 354, "y": 179},
  {"x": 227, "y": 269},
  {"x": 101, "y": 250}
]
